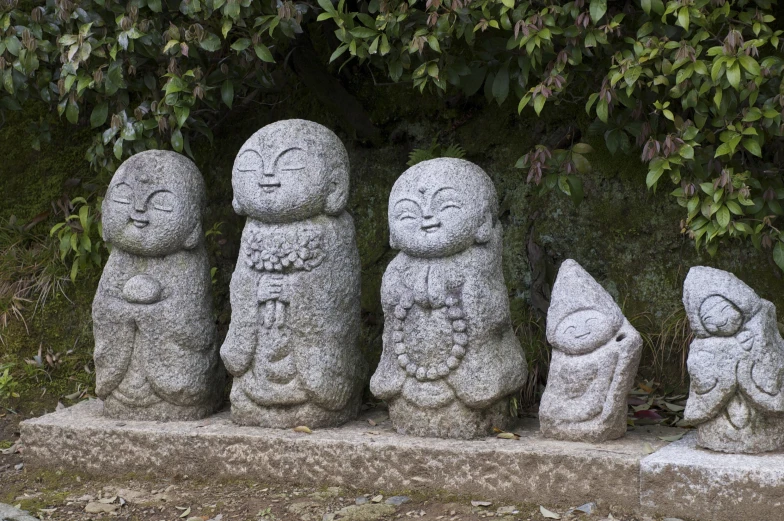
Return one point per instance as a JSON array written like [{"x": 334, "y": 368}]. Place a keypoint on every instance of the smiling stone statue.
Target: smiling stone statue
[
  {"x": 736, "y": 365},
  {"x": 156, "y": 356},
  {"x": 292, "y": 345},
  {"x": 450, "y": 359},
  {"x": 596, "y": 352}
]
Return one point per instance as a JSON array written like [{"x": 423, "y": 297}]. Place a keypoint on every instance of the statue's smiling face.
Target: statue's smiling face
[
  {"x": 434, "y": 216},
  {"x": 279, "y": 184},
  {"x": 583, "y": 331},
  {"x": 720, "y": 317},
  {"x": 146, "y": 215}
]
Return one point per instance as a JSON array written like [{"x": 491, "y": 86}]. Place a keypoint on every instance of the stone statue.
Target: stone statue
[
  {"x": 292, "y": 345},
  {"x": 156, "y": 352},
  {"x": 736, "y": 365},
  {"x": 596, "y": 352},
  {"x": 450, "y": 359}
]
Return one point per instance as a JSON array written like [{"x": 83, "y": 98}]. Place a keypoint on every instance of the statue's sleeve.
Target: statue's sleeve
[
  {"x": 713, "y": 379},
  {"x": 239, "y": 346},
  {"x": 114, "y": 331}
]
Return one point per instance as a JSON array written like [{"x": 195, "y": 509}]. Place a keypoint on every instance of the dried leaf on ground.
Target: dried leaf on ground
[
  {"x": 549, "y": 514},
  {"x": 304, "y": 429}
]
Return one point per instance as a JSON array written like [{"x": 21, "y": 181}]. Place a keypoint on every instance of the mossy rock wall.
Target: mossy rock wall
[{"x": 625, "y": 235}]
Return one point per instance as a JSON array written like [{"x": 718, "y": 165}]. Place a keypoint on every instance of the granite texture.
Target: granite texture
[
  {"x": 355, "y": 455},
  {"x": 596, "y": 352},
  {"x": 292, "y": 344},
  {"x": 156, "y": 354},
  {"x": 684, "y": 481},
  {"x": 450, "y": 358},
  {"x": 11, "y": 513},
  {"x": 736, "y": 365}
]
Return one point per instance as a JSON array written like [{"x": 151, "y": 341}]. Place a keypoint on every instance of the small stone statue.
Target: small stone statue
[
  {"x": 292, "y": 345},
  {"x": 450, "y": 359},
  {"x": 736, "y": 365},
  {"x": 156, "y": 352},
  {"x": 596, "y": 352}
]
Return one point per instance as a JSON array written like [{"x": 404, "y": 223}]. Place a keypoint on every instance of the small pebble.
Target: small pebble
[
  {"x": 361, "y": 500},
  {"x": 397, "y": 500}
]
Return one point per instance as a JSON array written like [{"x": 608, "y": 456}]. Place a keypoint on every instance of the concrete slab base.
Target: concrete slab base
[
  {"x": 358, "y": 455},
  {"x": 681, "y": 480}
]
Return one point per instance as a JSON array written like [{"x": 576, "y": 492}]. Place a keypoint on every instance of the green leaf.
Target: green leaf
[
  {"x": 602, "y": 111},
  {"x": 581, "y": 163},
  {"x": 227, "y": 93},
  {"x": 99, "y": 115},
  {"x": 118, "y": 149},
  {"x": 575, "y": 189},
  {"x": 340, "y": 50},
  {"x": 263, "y": 52},
  {"x": 363, "y": 32},
  {"x": 653, "y": 176},
  {"x": 210, "y": 43},
  {"x": 72, "y": 112},
  {"x": 683, "y": 17},
  {"x": 778, "y": 255},
  {"x": 686, "y": 152},
  {"x": 597, "y": 9},
  {"x": 582, "y": 148},
  {"x": 154, "y": 5},
  {"x": 176, "y": 140},
  {"x": 241, "y": 44},
  {"x": 539, "y": 102},
  {"x": 752, "y": 146},
  {"x": 723, "y": 216},
  {"x": 750, "y": 64},
  {"x": 501, "y": 84},
  {"x": 733, "y": 74}
]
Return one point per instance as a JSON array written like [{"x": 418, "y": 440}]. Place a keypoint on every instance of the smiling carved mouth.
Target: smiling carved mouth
[
  {"x": 430, "y": 228},
  {"x": 583, "y": 335},
  {"x": 269, "y": 187},
  {"x": 139, "y": 223}
]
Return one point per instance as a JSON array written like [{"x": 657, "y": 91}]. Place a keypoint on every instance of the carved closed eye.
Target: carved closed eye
[
  {"x": 291, "y": 159},
  {"x": 449, "y": 204},
  {"x": 163, "y": 201},
  {"x": 249, "y": 161},
  {"x": 122, "y": 193}
]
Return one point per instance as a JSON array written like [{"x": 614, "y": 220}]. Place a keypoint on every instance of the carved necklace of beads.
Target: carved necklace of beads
[{"x": 456, "y": 316}]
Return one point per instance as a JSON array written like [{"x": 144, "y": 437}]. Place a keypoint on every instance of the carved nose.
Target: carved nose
[{"x": 139, "y": 204}]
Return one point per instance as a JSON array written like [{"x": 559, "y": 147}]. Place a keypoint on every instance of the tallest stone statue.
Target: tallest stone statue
[{"x": 292, "y": 346}]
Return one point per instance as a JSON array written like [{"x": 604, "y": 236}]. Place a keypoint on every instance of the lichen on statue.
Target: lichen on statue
[
  {"x": 156, "y": 355},
  {"x": 736, "y": 365},
  {"x": 450, "y": 359},
  {"x": 292, "y": 344}
]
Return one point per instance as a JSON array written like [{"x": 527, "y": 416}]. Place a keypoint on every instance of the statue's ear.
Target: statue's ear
[
  {"x": 337, "y": 191},
  {"x": 195, "y": 237},
  {"x": 236, "y": 205},
  {"x": 485, "y": 231}
]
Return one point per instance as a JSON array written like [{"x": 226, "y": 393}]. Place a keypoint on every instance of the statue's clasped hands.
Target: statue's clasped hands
[{"x": 272, "y": 292}]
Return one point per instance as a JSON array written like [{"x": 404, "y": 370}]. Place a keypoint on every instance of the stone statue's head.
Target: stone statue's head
[
  {"x": 291, "y": 170},
  {"x": 441, "y": 207},
  {"x": 720, "y": 317},
  {"x": 154, "y": 204},
  {"x": 582, "y": 316},
  {"x": 718, "y": 303}
]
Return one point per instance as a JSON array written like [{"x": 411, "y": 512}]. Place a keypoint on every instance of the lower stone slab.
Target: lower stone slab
[
  {"x": 358, "y": 455},
  {"x": 682, "y": 480}
]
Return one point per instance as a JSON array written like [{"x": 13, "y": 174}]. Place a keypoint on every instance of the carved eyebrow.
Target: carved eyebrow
[
  {"x": 406, "y": 200},
  {"x": 245, "y": 153},
  {"x": 441, "y": 190},
  {"x": 288, "y": 150}
]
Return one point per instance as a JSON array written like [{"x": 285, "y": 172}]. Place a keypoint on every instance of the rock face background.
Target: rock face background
[{"x": 627, "y": 237}]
